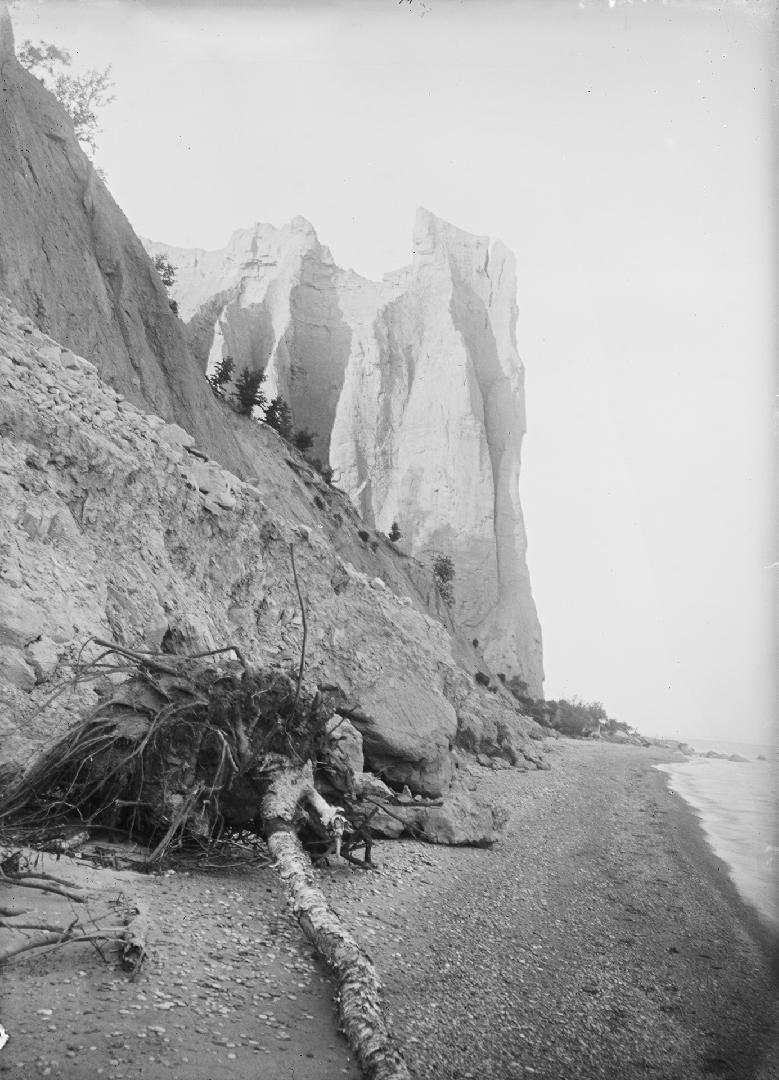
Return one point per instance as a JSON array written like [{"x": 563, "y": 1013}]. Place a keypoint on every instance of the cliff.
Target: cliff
[
  {"x": 70, "y": 260},
  {"x": 412, "y": 386},
  {"x": 137, "y": 506},
  {"x": 114, "y": 524}
]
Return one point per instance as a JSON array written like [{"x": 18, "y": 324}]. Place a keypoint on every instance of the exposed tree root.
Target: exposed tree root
[{"x": 188, "y": 750}]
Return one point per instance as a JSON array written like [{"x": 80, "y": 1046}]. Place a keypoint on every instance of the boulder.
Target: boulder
[
  {"x": 43, "y": 657},
  {"x": 176, "y": 436},
  {"x": 487, "y": 726},
  {"x": 14, "y": 669},
  {"x": 408, "y": 731},
  {"x": 344, "y": 745},
  {"x": 21, "y": 621},
  {"x": 462, "y": 819}
]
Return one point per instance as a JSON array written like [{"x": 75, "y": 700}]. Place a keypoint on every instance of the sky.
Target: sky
[{"x": 623, "y": 150}]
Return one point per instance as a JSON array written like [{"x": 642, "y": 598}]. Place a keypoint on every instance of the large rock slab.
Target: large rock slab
[{"x": 411, "y": 740}]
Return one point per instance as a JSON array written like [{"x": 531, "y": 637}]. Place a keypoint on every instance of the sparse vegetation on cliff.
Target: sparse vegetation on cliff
[
  {"x": 167, "y": 272},
  {"x": 248, "y": 396},
  {"x": 576, "y": 718},
  {"x": 221, "y": 376},
  {"x": 279, "y": 416},
  {"x": 248, "y": 392},
  {"x": 443, "y": 571},
  {"x": 82, "y": 95},
  {"x": 303, "y": 440}
]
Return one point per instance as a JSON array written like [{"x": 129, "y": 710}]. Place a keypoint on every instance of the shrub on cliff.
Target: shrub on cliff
[
  {"x": 279, "y": 416},
  {"x": 443, "y": 572},
  {"x": 303, "y": 439},
  {"x": 167, "y": 272},
  {"x": 248, "y": 393},
  {"x": 395, "y": 533},
  {"x": 221, "y": 375},
  {"x": 165, "y": 269}
]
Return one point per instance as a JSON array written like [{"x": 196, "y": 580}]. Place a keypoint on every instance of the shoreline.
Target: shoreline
[
  {"x": 721, "y": 875},
  {"x": 708, "y": 812},
  {"x": 602, "y": 938}
]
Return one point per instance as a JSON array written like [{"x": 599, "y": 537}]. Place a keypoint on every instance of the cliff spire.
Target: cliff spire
[{"x": 412, "y": 388}]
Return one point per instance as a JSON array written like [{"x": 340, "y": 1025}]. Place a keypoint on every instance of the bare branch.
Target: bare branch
[{"x": 305, "y": 628}]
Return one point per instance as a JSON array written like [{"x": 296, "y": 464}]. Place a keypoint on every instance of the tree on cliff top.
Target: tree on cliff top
[{"x": 80, "y": 95}]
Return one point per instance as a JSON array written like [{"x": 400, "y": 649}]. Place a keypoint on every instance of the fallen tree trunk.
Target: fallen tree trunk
[{"x": 360, "y": 998}]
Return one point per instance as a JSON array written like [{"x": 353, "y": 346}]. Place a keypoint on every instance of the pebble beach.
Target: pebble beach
[{"x": 600, "y": 938}]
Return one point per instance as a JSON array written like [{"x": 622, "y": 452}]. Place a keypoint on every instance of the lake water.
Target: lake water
[{"x": 737, "y": 803}]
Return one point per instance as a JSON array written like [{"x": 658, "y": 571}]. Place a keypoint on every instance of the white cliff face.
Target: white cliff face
[
  {"x": 413, "y": 387},
  {"x": 269, "y": 300}
]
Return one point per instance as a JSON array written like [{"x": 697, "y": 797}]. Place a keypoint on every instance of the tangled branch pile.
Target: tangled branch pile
[
  {"x": 188, "y": 747},
  {"x": 183, "y": 747}
]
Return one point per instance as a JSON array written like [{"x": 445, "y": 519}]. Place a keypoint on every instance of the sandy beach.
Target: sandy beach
[{"x": 601, "y": 938}]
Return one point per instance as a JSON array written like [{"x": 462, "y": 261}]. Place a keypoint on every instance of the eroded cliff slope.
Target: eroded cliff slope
[
  {"x": 137, "y": 506},
  {"x": 70, "y": 260},
  {"x": 412, "y": 386}
]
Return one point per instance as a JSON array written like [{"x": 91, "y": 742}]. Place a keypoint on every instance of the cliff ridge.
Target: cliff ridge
[{"x": 412, "y": 387}]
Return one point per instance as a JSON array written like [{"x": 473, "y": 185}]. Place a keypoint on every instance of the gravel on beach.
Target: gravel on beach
[{"x": 601, "y": 938}]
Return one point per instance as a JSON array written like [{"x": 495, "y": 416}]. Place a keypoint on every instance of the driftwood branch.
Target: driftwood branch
[
  {"x": 131, "y": 935},
  {"x": 66, "y": 845},
  {"x": 359, "y": 988},
  {"x": 151, "y": 659},
  {"x": 134, "y": 938},
  {"x": 21, "y": 882}
]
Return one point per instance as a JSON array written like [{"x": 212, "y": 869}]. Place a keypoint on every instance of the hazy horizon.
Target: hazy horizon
[{"x": 624, "y": 153}]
